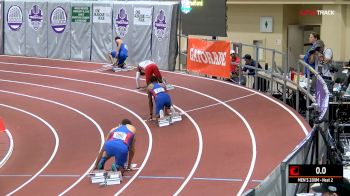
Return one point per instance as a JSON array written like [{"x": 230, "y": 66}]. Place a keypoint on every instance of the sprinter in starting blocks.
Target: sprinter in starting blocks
[
  {"x": 158, "y": 92},
  {"x": 172, "y": 117}
]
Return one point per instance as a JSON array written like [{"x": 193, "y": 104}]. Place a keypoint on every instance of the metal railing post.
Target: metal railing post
[
  {"x": 272, "y": 68},
  {"x": 307, "y": 97},
  {"x": 285, "y": 65},
  {"x": 180, "y": 34},
  {"x": 240, "y": 64},
  {"x": 283, "y": 179},
  {"x": 256, "y": 82},
  {"x": 297, "y": 93}
]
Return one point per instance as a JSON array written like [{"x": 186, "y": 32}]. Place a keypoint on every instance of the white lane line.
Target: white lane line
[
  {"x": 102, "y": 69},
  {"x": 57, "y": 143},
  {"x": 139, "y": 177},
  {"x": 199, "y": 154},
  {"x": 66, "y": 106},
  {"x": 62, "y": 68},
  {"x": 64, "y": 60},
  {"x": 215, "y": 104},
  {"x": 253, "y": 91},
  {"x": 115, "y": 75},
  {"x": 188, "y": 75},
  {"x": 258, "y": 93},
  {"x": 113, "y": 103},
  {"x": 42, "y": 175},
  {"x": 200, "y": 139},
  {"x": 251, "y": 134},
  {"x": 10, "y": 149}
]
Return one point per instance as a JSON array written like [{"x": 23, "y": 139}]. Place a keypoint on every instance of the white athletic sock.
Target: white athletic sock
[
  {"x": 161, "y": 114},
  {"x": 172, "y": 109},
  {"x": 138, "y": 79}
]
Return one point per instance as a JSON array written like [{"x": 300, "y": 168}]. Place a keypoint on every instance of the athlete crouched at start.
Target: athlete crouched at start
[
  {"x": 149, "y": 69},
  {"x": 161, "y": 98},
  {"x": 120, "y": 144},
  {"x": 118, "y": 56}
]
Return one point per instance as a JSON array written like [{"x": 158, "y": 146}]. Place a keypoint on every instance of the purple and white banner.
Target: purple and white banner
[{"x": 322, "y": 97}]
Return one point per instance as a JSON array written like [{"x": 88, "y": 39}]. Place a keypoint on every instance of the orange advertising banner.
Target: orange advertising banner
[{"x": 209, "y": 57}]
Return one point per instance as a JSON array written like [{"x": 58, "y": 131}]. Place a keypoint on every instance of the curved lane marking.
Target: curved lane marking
[
  {"x": 10, "y": 150},
  {"x": 108, "y": 101},
  {"x": 66, "y": 106},
  {"x": 57, "y": 142},
  {"x": 237, "y": 86},
  {"x": 200, "y": 139},
  {"x": 219, "y": 101}
]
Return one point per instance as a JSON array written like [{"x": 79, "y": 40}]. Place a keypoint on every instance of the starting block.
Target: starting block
[
  {"x": 105, "y": 178},
  {"x": 166, "y": 121},
  {"x": 113, "y": 178},
  {"x": 126, "y": 68},
  {"x": 162, "y": 122},
  {"x": 98, "y": 176},
  {"x": 169, "y": 87},
  {"x": 176, "y": 117}
]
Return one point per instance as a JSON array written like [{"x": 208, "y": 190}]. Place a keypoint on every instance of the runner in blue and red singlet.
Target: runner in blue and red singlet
[
  {"x": 120, "y": 142},
  {"x": 161, "y": 98}
]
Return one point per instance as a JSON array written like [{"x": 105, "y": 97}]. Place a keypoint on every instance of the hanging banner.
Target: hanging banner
[
  {"x": 102, "y": 34},
  {"x": 322, "y": 98},
  {"x": 81, "y": 24},
  {"x": 81, "y": 14},
  {"x": 1, "y": 28},
  {"x": 36, "y": 28},
  {"x": 143, "y": 16},
  {"x": 14, "y": 28},
  {"x": 209, "y": 57},
  {"x": 164, "y": 41},
  {"x": 102, "y": 14},
  {"x": 58, "y": 30}
]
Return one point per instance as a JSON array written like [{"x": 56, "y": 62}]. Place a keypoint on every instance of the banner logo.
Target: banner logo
[
  {"x": 160, "y": 25},
  {"x": 209, "y": 57},
  {"x": 35, "y": 17},
  {"x": 58, "y": 19},
  {"x": 14, "y": 18},
  {"x": 122, "y": 23}
]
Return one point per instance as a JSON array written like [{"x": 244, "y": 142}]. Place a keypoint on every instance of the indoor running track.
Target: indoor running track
[{"x": 58, "y": 111}]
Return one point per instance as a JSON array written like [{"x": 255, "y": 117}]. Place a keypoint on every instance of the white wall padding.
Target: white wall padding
[
  {"x": 58, "y": 30},
  {"x": 36, "y": 28},
  {"x": 81, "y": 22},
  {"x": 102, "y": 31},
  {"x": 164, "y": 41}
]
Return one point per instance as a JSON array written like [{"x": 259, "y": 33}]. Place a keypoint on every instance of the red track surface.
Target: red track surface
[{"x": 223, "y": 163}]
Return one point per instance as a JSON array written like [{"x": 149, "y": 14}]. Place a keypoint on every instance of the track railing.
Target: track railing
[{"x": 307, "y": 93}]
